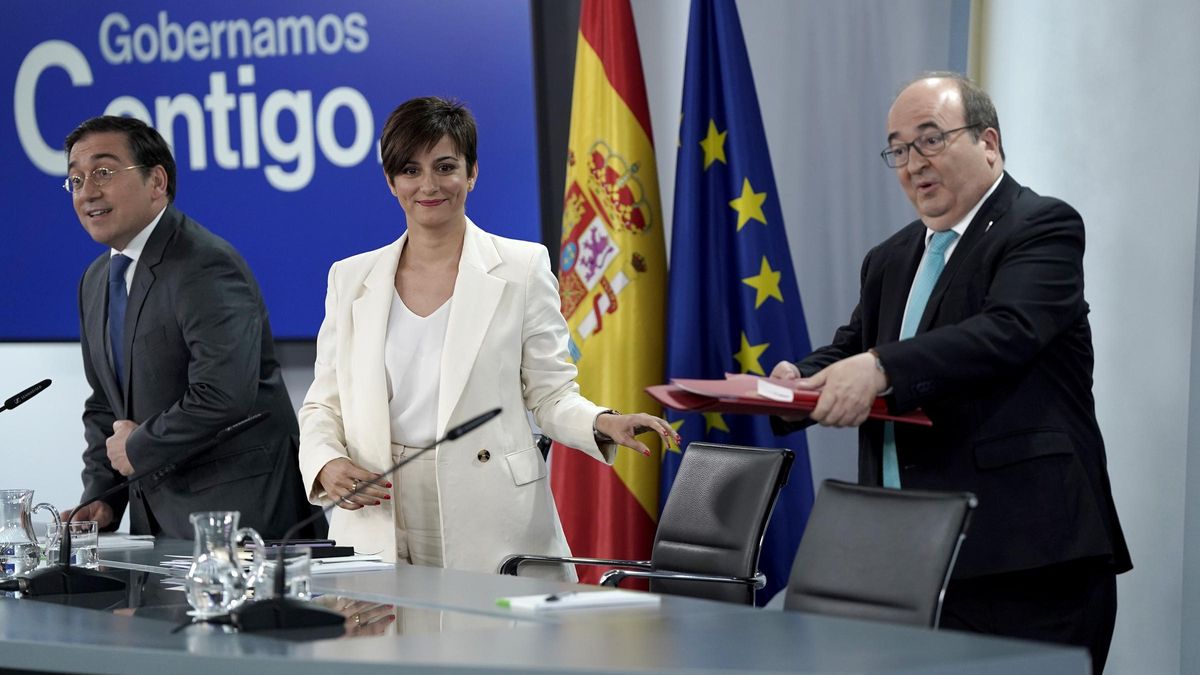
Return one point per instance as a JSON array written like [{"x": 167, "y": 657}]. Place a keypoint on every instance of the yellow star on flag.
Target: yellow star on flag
[
  {"x": 747, "y": 356},
  {"x": 713, "y": 145},
  {"x": 714, "y": 421},
  {"x": 671, "y": 447},
  {"x": 765, "y": 284},
  {"x": 749, "y": 205}
]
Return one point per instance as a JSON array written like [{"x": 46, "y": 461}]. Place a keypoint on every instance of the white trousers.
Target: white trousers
[{"x": 418, "y": 513}]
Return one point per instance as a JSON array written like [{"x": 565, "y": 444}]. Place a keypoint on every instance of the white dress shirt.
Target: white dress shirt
[{"x": 133, "y": 250}]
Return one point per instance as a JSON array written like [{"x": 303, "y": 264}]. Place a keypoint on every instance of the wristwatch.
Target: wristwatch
[
  {"x": 882, "y": 371},
  {"x": 878, "y": 363}
]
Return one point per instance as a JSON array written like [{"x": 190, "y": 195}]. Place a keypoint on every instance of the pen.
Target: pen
[{"x": 555, "y": 597}]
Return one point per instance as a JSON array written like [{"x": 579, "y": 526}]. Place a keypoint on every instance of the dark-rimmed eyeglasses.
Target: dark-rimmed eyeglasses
[
  {"x": 928, "y": 145},
  {"x": 99, "y": 176}
]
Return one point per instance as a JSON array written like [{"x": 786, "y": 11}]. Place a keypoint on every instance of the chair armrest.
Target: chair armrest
[
  {"x": 615, "y": 577},
  {"x": 511, "y": 564}
]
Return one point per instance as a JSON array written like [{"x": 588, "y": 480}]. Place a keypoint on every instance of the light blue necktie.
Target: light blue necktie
[
  {"x": 118, "y": 297},
  {"x": 922, "y": 287}
]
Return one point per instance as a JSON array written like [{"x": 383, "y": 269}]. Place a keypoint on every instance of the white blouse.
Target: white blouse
[{"x": 412, "y": 357}]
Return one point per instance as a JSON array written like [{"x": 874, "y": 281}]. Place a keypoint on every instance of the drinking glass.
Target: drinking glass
[
  {"x": 297, "y": 568},
  {"x": 85, "y": 544}
]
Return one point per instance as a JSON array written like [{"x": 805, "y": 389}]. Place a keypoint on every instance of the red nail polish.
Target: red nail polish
[
  {"x": 377, "y": 502},
  {"x": 387, "y": 497},
  {"x": 389, "y": 485}
]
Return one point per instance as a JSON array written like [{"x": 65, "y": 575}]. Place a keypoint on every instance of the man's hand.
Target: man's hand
[
  {"x": 785, "y": 370},
  {"x": 116, "y": 446},
  {"x": 100, "y": 512},
  {"x": 848, "y": 388}
]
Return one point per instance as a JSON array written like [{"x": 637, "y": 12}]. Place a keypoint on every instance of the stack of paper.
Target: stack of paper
[
  {"x": 573, "y": 600},
  {"x": 750, "y": 395},
  {"x": 359, "y": 562},
  {"x": 119, "y": 541}
]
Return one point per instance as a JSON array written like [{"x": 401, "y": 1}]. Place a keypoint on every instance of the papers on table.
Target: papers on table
[
  {"x": 355, "y": 563},
  {"x": 359, "y": 562},
  {"x": 119, "y": 541},
  {"x": 575, "y": 600}
]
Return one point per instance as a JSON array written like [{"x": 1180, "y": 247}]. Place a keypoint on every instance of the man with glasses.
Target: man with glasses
[
  {"x": 176, "y": 347},
  {"x": 975, "y": 313}
]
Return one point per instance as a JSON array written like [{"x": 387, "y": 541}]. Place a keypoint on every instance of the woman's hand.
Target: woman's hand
[
  {"x": 362, "y": 617},
  {"x": 340, "y": 477},
  {"x": 622, "y": 429}
]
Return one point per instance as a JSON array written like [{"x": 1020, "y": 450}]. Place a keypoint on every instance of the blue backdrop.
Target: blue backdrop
[{"x": 273, "y": 111}]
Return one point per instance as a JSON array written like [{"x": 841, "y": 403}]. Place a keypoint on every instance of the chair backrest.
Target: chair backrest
[
  {"x": 878, "y": 553},
  {"x": 715, "y": 516}
]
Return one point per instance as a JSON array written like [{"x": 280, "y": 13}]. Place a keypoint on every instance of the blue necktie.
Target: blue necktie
[
  {"x": 922, "y": 287},
  {"x": 118, "y": 298}
]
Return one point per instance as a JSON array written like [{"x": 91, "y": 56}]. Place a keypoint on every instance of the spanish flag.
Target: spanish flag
[{"x": 613, "y": 283}]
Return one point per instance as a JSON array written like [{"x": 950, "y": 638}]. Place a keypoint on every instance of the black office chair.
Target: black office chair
[
  {"x": 711, "y": 528},
  {"x": 878, "y": 553}
]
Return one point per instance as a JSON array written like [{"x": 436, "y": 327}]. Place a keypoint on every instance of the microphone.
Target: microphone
[
  {"x": 62, "y": 579},
  {"x": 282, "y": 612},
  {"x": 20, "y": 397}
]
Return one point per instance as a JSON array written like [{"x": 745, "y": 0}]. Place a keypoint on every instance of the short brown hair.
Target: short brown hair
[{"x": 418, "y": 124}]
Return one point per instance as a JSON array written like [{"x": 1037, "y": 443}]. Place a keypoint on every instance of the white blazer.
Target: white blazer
[{"x": 506, "y": 345}]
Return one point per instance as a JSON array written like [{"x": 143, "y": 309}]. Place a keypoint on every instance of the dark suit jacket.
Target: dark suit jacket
[
  {"x": 1002, "y": 364},
  {"x": 199, "y": 357}
]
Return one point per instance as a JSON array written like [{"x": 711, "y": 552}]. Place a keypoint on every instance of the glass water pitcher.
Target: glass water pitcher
[
  {"x": 20, "y": 551},
  {"x": 216, "y": 582}
]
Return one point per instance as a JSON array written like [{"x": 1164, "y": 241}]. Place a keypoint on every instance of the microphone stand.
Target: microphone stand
[
  {"x": 62, "y": 579},
  {"x": 282, "y": 612}
]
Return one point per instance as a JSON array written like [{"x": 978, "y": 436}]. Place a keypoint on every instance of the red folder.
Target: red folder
[{"x": 739, "y": 394}]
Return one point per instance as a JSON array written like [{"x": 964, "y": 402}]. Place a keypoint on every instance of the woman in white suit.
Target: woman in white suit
[{"x": 443, "y": 324}]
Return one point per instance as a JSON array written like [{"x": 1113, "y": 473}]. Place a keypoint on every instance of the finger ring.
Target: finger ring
[
  {"x": 355, "y": 487},
  {"x": 357, "y": 620}
]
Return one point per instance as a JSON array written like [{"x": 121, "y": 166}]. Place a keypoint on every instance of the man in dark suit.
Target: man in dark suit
[
  {"x": 176, "y": 346},
  {"x": 975, "y": 313}
]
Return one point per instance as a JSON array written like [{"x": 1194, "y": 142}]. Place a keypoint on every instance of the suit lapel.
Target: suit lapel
[
  {"x": 897, "y": 281},
  {"x": 143, "y": 280},
  {"x": 95, "y": 326},
  {"x": 476, "y": 297},
  {"x": 993, "y": 209},
  {"x": 369, "y": 314}
]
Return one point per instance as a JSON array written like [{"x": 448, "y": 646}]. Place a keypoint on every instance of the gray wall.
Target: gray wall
[
  {"x": 1098, "y": 104},
  {"x": 1189, "y": 655},
  {"x": 1190, "y": 623},
  {"x": 41, "y": 442}
]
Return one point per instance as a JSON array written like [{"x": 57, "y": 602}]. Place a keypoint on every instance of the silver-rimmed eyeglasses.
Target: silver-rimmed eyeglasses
[
  {"x": 928, "y": 145},
  {"x": 99, "y": 176}
]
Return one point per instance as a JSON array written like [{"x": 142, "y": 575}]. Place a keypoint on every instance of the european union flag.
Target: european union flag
[{"x": 733, "y": 304}]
